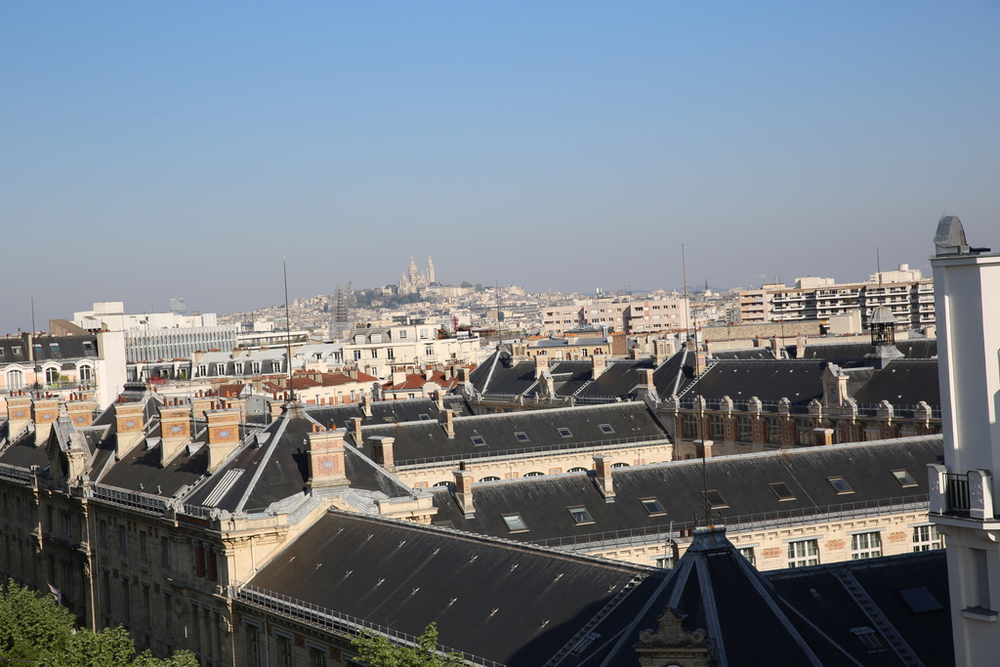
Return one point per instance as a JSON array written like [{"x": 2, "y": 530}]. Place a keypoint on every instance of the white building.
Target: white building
[{"x": 962, "y": 490}]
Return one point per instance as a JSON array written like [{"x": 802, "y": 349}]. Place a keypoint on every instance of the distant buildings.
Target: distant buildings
[{"x": 614, "y": 314}]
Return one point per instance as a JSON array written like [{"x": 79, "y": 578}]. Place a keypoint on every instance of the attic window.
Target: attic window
[
  {"x": 782, "y": 491},
  {"x": 425, "y": 418},
  {"x": 904, "y": 478},
  {"x": 606, "y": 428},
  {"x": 840, "y": 484},
  {"x": 565, "y": 432},
  {"x": 390, "y": 420},
  {"x": 652, "y": 506},
  {"x": 515, "y": 523},
  {"x": 478, "y": 440},
  {"x": 870, "y": 640},
  {"x": 715, "y": 499},
  {"x": 521, "y": 436},
  {"x": 919, "y": 599},
  {"x": 580, "y": 515}
]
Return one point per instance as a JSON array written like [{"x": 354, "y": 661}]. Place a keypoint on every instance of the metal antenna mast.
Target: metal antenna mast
[{"x": 288, "y": 333}]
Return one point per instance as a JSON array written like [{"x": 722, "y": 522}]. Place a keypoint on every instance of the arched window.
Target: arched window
[
  {"x": 15, "y": 380},
  {"x": 85, "y": 373},
  {"x": 490, "y": 479},
  {"x": 577, "y": 470},
  {"x": 51, "y": 375},
  {"x": 619, "y": 465},
  {"x": 442, "y": 484},
  {"x": 533, "y": 474}
]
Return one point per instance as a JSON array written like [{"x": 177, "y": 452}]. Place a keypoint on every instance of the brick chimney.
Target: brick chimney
[
  {"x": 645, "y": 386},
  {"x": 45, "y": 413},
  {"x": 541, "y": 364},
  {"x": 18, "y": 414},
  {"x": 449, "y": 423},
  {"x": 463, "y": 493},
  {"x": 382, "y": 451},
  {"x": 822, "y": 436},
  {"x": 356, "y": 430},
  {"x": 326, "y": 458},
  {"x": 366, "y": 404},
  {"x": 200, "y": 404},
  {"x": 439, "y": 399},
  {"x": 130, "y": 425},
  {"x": 602, "y": 465},
  {"x": 598, "y": 363},
  {"x": 704, "y": 448},
  {"x": 81, "y": 412},
  {"x": 175, "y": 432},
  {"x": 223, "y": 436}
]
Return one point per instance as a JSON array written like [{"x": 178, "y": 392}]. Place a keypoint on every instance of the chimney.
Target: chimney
[
  {"x": 382, "y": 451},
  {"x": 202, "y": 404},
  {"x": 602, "y": 465},
  {"x": 326, "y": 459},
  {"x": 130, "y": 425},
  {"x": 703, "y": 448},
  {"x": 18, "y": 414},
  {"x": 223, "y": 436},
  {"x": 646, "y": 387},
  {"x": 428, "y": 374},
  {"x": 822, "y": 436},
  {"x": 463, "y": 493},
  {"x": 45, "y": 414},
  {"x": 449, "y": 423},
  {"x": 541, "y": 364},
  {"x": 599, "y": 363},
  {"x": 439, "y": 399},
  {"x": 81, "y": 412},
  {"x": 356, "y": 430},
  {"x": 175, "y": 432},
  {"x": 366, "y": 403}
]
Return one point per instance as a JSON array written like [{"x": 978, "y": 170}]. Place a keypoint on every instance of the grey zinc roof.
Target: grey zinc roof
[
  {"x": 503, "y": 602},
  {"x": 902, "y": 382},
  {"x": 743, "y": 481},
  {"x": 424, "y": 440},
  {"x": 799, "y": 381}
]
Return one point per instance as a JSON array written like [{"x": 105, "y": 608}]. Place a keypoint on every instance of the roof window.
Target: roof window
[
  {"x": 515, "y": 523},
  {"x": 840, "y": 484},
  {"x": 919, "y": 599},
  {"x": 425, "y": 418},
  {"x": 782, "y": 491},
  {"x": 565, "y": 432},
  {"x": 580, "y": 515},
  {"x": 478, "y": 440},
  {"x": 607, "y": 428},
  {"x": 521, "y": 436},
  {"x": 904, "y": 478},
  {"x": 715, "y": 499},
  {"x": 870, "y": 640},
  {"x": 652, "y": 506}
]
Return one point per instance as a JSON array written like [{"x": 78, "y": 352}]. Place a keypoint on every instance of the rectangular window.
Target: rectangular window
[
  {"x": 926, "y": 538},
  {"x": 803, "y": 553},
  {"x": 389, "y": 354},
  {"x": 357, "y": 355},
  {"x": 690, "y": 427},
  {"x": 580, "y": 515},
  {"x": 521, "y": 436},
  {"x": 514, "y": 523},
  {"x": 143, "y": 547},
  {"x": 904, "y": 478},
  {"x": 781, "y": 490},
  {"x": 428, "y": 350},
  {"x": 165, "y": 551},
  {"x": 748, "y": 553},
  {"x": 840, "y": 485},
  {"x": 565, "y": 432},
  {"x": 168, "y": 615},
  {"x": 866, "y": 545},
  {"x": 122, "y": 540},
  {"x": 652, "y": 506},
  {"x": 317, "y": 657},
  {"x": 715, "y": 499},
  {"x": 478, "y": 440},
  {"x": 284, "y": 650},
  {"x": 744, "y": 429},
  {"x": 253, "y": 645},
  {"x": 127, "y": 599},
  {"x": 773, "y": 431},
  {"x": 606, "y": 428},
  {"x": 717, "y": 427}
]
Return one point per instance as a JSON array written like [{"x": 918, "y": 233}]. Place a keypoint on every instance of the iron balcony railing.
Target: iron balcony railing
[
  {"x": 328, "y": 619},
  {"x": 957, "y": 491},
  {"x": 141, "y": 501},
  {"x": 739, "y": 523}
]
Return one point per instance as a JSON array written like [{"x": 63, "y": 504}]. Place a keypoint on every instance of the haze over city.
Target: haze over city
[{"x": 160, "y": 151}]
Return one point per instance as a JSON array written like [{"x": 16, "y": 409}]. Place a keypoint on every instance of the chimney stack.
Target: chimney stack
[
  {"x": 541, "y": 364},
  {"x": 18, "y": 414},
  {"x": 439, "y": 399},
  {"x": 356, "y": 430},
  {"x": 130, "y": 426},
  {"x": 599, "y": 363},
  {"x": 175, "y": 432},
  {"x": 463, "y": 493},
  {"x": 81, "y": 412},
  {"x": 223, "y": 436},
  {"x": 704, "y": 448},
  {"x": 366, "y": 404},
  {"x": 822, "y": 436},
  {"x": 45, "y": 414},
  {"x": 449, "y": 423},
  {"x": 382, "y": 451},
  {"x": 602, "y": 465},
  {"x": 326, "y": 459}
]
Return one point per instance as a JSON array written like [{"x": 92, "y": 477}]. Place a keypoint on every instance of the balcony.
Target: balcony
[{"x": 963, "y": 496}]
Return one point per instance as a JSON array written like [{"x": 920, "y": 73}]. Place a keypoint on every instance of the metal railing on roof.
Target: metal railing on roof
[
  {"x": 15, "y": 473},
  {"x": 329, "y": 619},
  {"x": 143, "y": 502},
  {"x": 614, "y": 443},
  {"x": 739, "y": 523}
]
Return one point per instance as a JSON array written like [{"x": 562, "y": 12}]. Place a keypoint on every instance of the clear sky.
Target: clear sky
[{"x": 152, "y": 150}]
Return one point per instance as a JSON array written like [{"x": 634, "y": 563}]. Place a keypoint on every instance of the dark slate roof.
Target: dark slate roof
[
  {"x": 799, "y": 381},
  {"x": 748, "y": 353},
  {"x": 674, "y": 375},
  {"x": 140, "y": 470},
  {"x": 916, "y": 348},
  {"x": 67, "y": 347},
  {"x": 504, "y": 376},
  {"x": 382, "y": 412},
  {"x": 25, "y": 454},
  {"x": 619, "y": 380},
  {"x": 423, "y": 440},
  {"x": 742, "y": 480},
  {"x": 902, "y": 382},
  {"x": 503, "y": 602}
]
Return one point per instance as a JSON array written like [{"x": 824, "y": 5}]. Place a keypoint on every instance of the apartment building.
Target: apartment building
[{"x": 615, "y": 314}]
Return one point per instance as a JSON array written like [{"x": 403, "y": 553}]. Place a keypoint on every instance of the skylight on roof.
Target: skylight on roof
[
  {"x": 607, "y": 428},
  {"x": 478, "y": 440},
  {"x": 565, "y": 432},
  {"x": 919, "y": 599},
  {"x": 425, "y": 418},
  {"x": 521, "y": 436},
  {"x": 580, "y": 515},
  {"x": 715, "y": 499},
  {"x": 840, "y": 484},
  {"x": 904, "y": 478},
  {"x": 652, "y": 506},
  {"x": 782, "y": 491},
  {"x": 515, "y": 523}
]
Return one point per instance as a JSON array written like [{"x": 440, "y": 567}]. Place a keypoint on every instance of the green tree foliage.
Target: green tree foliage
[
  {"x": 377, "y": 651},
  {"x": 35, "y": 630}
]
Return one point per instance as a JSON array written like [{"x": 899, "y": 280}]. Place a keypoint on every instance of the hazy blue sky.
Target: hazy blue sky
[{"x": 151, "y": 150}]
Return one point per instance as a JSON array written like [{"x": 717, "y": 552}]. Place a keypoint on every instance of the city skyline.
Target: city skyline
[{"x": 154, "y": 152}]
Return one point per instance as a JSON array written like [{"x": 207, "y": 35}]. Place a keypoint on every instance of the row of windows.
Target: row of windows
[
  {"x": 521, "y": 436},
  {"x": 580, "y": 515},
  {"x": 783, "y": 493}
]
